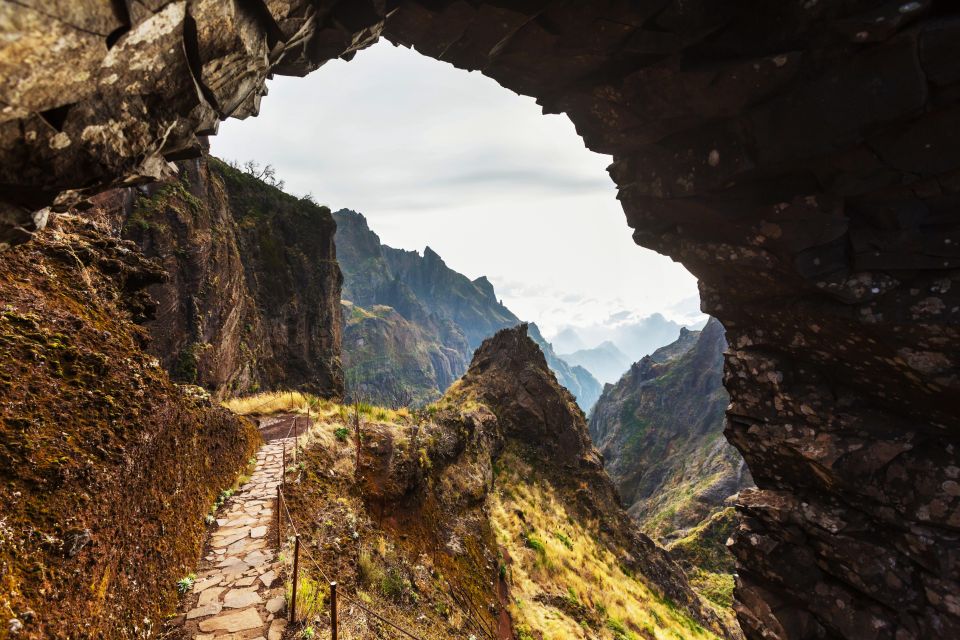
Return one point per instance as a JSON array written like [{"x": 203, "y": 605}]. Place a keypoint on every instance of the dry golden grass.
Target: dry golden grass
[
  {"x": 269, "y": 402},
  {"x": 553, "y": 554}
]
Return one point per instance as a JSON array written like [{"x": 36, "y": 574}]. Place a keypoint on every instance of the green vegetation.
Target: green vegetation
[
  {"x": 185, "y": 583},
  {"x": 596, "y": 590},
  {"x": 311, "y": 597},
  {"x": 341, "y": 433}
]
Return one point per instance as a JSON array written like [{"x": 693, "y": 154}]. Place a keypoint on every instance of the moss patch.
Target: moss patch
[{"x": 106, "y": 468}]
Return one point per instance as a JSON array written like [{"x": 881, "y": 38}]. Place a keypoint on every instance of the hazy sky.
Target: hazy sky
[{"x": 432, "y": 155}]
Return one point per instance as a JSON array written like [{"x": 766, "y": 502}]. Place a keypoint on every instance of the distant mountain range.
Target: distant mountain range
[
  {"x": 605, "y": 361},
  {"x": 621, "y": 340},
  {"x": 411, "y": 323}
]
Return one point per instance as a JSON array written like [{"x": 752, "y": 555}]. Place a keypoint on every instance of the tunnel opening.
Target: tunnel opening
[{"x": 800, "y": 161}]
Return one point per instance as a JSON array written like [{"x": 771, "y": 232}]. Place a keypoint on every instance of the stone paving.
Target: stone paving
[{"x": 238, "y": 594}]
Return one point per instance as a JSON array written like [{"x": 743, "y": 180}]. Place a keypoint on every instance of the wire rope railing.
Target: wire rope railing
[{"x": 284, "y": 517}]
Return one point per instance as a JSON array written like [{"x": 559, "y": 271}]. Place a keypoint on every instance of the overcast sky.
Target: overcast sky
[{"x": 432, "y": 155}]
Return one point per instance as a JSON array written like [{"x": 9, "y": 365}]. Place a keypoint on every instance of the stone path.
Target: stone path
[{"x": 239, "y": 594}]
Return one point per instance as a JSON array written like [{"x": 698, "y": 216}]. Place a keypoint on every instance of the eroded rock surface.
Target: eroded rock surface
[
  {"x": 800, "y": 158},
  {"x": 251, "y": 296}
]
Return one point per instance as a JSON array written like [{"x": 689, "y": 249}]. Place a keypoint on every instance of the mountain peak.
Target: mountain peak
[
  {"x": 509, "y": 373},
  {"x": 484, "y": 284},
  {"x": 430, "y": 254}
]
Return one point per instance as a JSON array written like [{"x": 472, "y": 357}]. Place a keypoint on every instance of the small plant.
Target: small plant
[
  {"x": 370, "y": 570},
  {"x": 503, "y": 571},
  {"x": 423, "y": 459},
  {"x": 185, "y": 583},
  {"x": 311, "y": 596},
  {"x": 536, "y": 544},
  {"x": 393, "y": 584},
  {"x": 567, "y": 542},
  {"x": 619, "y": 630},
  {"x": 341, "y": 434},
  {"x": 308, "y": 633}
]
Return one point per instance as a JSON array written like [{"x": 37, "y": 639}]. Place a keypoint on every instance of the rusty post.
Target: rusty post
[
  {"x": 279, "y": 520},
  {"x": 296, "y": 578},
  {"x": 333, "y": 610}
]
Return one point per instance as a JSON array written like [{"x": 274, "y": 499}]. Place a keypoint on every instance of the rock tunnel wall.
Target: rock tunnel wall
[{"x": 801, "y": 158}]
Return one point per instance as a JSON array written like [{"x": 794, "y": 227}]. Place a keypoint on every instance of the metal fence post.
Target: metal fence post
[
  {"x": 333, "y": 610},
  {"x": 279, "y": 520},
  {"x": 296, "y": 578}
]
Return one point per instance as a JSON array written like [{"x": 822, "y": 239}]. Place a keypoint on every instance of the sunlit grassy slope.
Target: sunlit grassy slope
[
  {"x": 563, "y": 583},
  {"x": 324, "y": 410}
]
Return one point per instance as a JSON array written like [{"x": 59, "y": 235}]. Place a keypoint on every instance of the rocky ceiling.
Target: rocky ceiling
[{"x": 800, "y": 157}]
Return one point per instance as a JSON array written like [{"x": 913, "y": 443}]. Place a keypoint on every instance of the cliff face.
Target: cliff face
[
  {"x": 392, "y": 361},
  {"x": 660, "y": 430},
  {"x": 252, "y": 299},
  {"x": 106, "y": 468},
  {"x": 436, "y": 318}
]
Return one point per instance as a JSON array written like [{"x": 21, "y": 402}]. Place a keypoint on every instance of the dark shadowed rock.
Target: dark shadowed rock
[{"x": 799, "y": 158}]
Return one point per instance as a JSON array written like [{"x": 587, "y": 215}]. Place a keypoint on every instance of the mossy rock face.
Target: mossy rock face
[
  {"x": 106, "y": 467},
  {"x": 243, "y": 259}
]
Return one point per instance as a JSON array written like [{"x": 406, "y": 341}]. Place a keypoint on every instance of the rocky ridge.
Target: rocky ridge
[
  {"x": 438, "y": 489},
  {"x": 660, "y": 430},
  {"x": 412, "y": 322}
]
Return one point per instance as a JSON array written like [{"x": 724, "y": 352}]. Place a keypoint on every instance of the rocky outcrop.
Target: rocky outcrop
[
  {"x": 509, "y": 406},
  {"x": 577, "y": 380},
  {"x": 660, "y": 430},
  {"x": 252, "y": 297},
  {"x": 798, "y": 158},
  {"x": 107, "y": 469}
]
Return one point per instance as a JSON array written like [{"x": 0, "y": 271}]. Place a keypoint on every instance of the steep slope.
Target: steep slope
[
  {"x": 472, "y": 304},
  {"x": 440, "y": 314},
  {"x": 605, "y": 361},
  {"x": 660, "y": 429},
  {"x": 252, "y": 299},
  {"x": 107, "y": 469},
  {"x": 488, "y": 514},
  {"x": 392, "y": 361}
]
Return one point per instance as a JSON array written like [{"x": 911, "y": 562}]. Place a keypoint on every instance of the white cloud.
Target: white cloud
[{"x": 433, "y": 155}]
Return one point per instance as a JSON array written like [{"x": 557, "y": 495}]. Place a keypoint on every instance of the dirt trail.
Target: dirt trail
[{"x": 238, "y": 594}]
